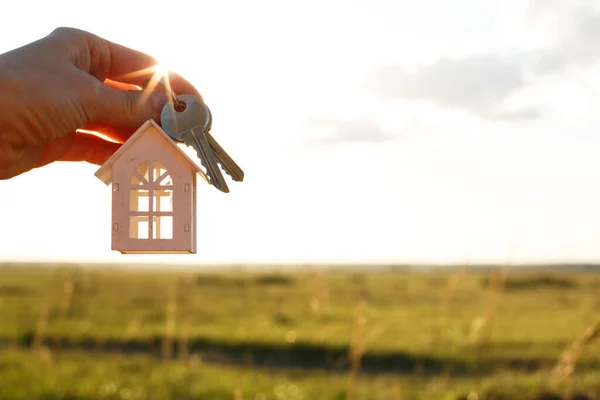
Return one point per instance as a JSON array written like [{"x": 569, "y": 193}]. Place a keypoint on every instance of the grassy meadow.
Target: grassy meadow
[{"x": 73, "y": 332}]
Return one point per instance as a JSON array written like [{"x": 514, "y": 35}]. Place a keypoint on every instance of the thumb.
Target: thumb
[{"x": 125, "y": 108}]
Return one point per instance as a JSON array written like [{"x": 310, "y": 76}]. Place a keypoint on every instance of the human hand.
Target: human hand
[{"x": 67, "y": 81}]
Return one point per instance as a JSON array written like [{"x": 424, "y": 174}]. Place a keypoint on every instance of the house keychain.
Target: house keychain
[{"x": 154, "y": 181}]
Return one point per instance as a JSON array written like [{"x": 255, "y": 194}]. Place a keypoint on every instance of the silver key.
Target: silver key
[
  {"x": 190, "y": 126},
  {"x": 226, "y": 162},
  {"x": 229, "y": 166}
]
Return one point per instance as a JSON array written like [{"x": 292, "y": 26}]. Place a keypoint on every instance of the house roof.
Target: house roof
[{"x": 104, "y": 173}]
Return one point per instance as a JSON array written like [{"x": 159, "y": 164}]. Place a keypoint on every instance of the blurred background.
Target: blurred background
[{"x": 381, "y": 140}]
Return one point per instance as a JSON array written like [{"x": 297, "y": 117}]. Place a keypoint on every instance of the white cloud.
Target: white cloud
[
  {"x": 477, "y": 83},
  {"x": 483, "y": 83},
  {"x": 354, "y": 130}
]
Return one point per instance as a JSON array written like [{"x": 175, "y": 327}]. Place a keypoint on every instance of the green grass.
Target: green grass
[{"x": 84, "y": 333}]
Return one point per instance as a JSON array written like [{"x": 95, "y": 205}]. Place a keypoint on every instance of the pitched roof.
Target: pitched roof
[{"x": 104, "y": 173}]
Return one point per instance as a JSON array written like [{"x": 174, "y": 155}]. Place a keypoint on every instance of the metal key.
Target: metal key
[
  {"x": 226, "y": 162},
  {"x": 190, "y": 126}
]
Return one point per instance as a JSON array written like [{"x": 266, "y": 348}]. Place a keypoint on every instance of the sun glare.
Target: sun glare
[
  {"x": 161, "y": 69},
  {"x": 159, "y": 77}
]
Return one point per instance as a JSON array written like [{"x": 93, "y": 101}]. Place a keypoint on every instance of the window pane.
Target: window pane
[
  {"x": 135, "y": 180},
  {"x": 144, "y": 170},
  {"x": 159, "y": 169},
  {"x": 166, "y": 181},
  {"x": 160, "y": 175},
  {"x": 139, "y": 200},
  {"x": 163, "y": 200},
  {"x": 139, "y": 227},
  {"x": 162, "y": 227}
]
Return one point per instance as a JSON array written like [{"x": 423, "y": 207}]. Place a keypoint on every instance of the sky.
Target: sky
[{"x": 369, "y": 131}]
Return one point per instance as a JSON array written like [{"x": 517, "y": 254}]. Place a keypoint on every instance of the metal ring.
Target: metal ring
[{"x": 173, "y": 95}]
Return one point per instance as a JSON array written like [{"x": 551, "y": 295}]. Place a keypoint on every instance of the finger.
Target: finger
[
  {"x": 111, "y": 60},
  {"x": 90, "y": 148},
  {"x": 134, "y": 67},
  {"x": 123, "y": 108},
  {"x": 125, "y": 61},
  {"x": 20, "y": 160},
  {"x": 104, "y": 59},
  {"x": 54, "y": 150},
  {"x": 149, "y": 78}
]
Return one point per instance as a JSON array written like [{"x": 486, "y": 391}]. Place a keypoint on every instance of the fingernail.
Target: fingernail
[{"x": 158, "y": 101}]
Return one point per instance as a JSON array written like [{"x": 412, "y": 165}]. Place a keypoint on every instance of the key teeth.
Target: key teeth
[
  {"x": 210, "y": 178},
  {"x": 225, "y": 170},
  {"x": 233, "y": 178},
  {"x": 204, "y": 165},
  {"x": 207, "y": 173}
]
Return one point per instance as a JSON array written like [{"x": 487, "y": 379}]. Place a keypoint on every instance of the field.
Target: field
[{"x": 73, "y": 332}]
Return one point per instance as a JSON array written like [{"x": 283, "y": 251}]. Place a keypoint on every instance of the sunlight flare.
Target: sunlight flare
[
  {"x": 160, "y": 73},
  {"x": 98, "y": 134}
]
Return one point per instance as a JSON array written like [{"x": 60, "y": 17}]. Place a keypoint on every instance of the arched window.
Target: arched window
[{"x": 151, "y": 202}]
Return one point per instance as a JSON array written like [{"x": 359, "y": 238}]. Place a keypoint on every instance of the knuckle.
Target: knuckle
[
  {"x": 63, "y": 31},
  {"x": 68, "y": 38}
]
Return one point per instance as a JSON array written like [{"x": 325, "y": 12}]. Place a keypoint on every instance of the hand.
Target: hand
[{"x": 73, "y": 80}]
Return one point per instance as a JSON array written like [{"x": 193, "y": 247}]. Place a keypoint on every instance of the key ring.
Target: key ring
[{"x": 176, "y": 103}]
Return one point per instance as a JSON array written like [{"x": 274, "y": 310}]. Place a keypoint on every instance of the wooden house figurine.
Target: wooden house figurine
[{"x": 153, "y": 194}]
